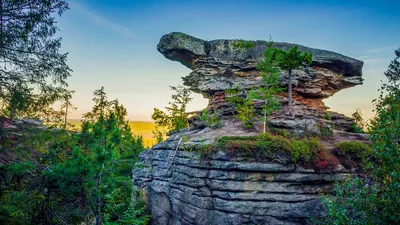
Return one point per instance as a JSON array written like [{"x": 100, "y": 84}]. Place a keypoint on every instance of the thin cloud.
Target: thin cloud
[
  {"x": 381, "y": 49},
  {"x": 363, "y": 57},
  {"x": 369, "y": 59},
  {"x": 103, "y": 22},
  {"x": 374, "y": 60}
]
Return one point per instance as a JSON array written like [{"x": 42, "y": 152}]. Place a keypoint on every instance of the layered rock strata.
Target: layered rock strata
[
  {"x": 217, "y": 65},
  {"x": 225, "y": 191},
  {"x": 182, "y": 188}
]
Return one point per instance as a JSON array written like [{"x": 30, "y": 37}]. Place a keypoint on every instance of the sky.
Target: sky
[{"x": 113, "y": 43}]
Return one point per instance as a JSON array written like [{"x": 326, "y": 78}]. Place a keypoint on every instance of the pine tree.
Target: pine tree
[
  {"x": 29, "y": 54},
  {"x": 176, "y": 116},
  {"x": 79, "y": 176},
  {"x": 289, "y": 61},
  {"x": 66, "y": 108},
  {"x": 270, "y": 83}
]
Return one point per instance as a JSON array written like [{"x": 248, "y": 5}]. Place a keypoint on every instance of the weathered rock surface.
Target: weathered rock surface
[
  {"x": 224, "y": 191},
  {"x": 218, "y": 66},
  {"x": 232, "y": 191}
]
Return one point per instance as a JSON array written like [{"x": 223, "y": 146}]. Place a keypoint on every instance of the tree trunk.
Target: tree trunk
[
  {"x": 290, "y": 96},
  {"x": 66, "y": 114},
  {"x": 12, "y": 113},
  {"x": 265, "y": 120},
  {"x": 97, "y": 213}
]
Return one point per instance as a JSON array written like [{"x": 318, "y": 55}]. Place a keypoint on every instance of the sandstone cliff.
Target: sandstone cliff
[
  {"x": 224, "y": 191},
  {"x": 184, "y": 188},
  {"x": 217, "y": 66}
]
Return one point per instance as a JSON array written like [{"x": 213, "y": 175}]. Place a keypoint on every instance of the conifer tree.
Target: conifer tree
[
  {"x": 80, "y": 177},
  {"x": 176, "y": 116},
  {"x": 289, "y": 61},
  {"x": 29, "y": 55},
  {"x": 375, "y": 199},
  {"x": 270, "y": 82}
]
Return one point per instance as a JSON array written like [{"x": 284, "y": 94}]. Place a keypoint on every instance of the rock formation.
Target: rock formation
[
  {"x": 218, "y": 66},
  {"x": 225, "y": 191},
  {"x": 183, "y": 188}
]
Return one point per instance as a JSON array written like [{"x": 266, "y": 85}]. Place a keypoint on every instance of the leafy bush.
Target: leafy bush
[
  {"x": 301, "y": 151},
  {"x": 355, "y": 203},
  {"x": 321, "y": 157},
  {"x": 317, "y": 150},
  {"x": 176, "y": 117},
  {"x": 159, "y": 133},
  {"x": 257, "y": 150},
  {"x": 356, "y": 150},
  {"x": 211, "y": 120},
  {"x": 244, "y": 106},
  {"x": 266, "y": 147},
  {"x": 282, "y": 133},
  {"x": 358, "y": 122},
  {"x": 325, "y": 130},
  {"x": 355, "y": 128},
  {"x": 280, "y": 144},
  {"x": 375, "y": 199},
  {"x": 264, "y": 137},
  {"x": 328, "y": 115}
]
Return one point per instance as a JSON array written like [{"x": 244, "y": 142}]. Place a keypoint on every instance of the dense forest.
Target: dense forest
[{"x": 53, "y": 173}]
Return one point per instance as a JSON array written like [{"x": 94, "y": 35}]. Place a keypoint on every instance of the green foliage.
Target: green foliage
[
  {"x": 30, "y": 59},
  {"x": 325, "y": 130},
  {"x": 301, "y": 151},
  {"x": 328, "y": 115},
  {"x": 242, "y": 44},
  {"x": 356, "y": 150},
  {"x": 80, "y": 177},
  {"x": 100, "y": 106},
  {"x": 270, "y": 80},
  {"x": 176, "y": 117},
  {"x": 264, "y": 137},
  {"x": 66, "y": 107},
  {"x": 270, "y": 83},
  {"x": 358, "y": 124},
  {"x": 355, "y": 203},
  {"x": 290, "y": 60},
  {"x": 211, "y": 120},
  {"x": 159, "y": 133},
  {"x": 244, "y": 106},
  {"x": 374, "y": 200},
  {"x": 245, "y": 113},
  {"x": 133, "y": 214},
  {"x": 281, "y": 132},
  {"x": 355, "y": 128},
  {"x": 267, "y": 147}
]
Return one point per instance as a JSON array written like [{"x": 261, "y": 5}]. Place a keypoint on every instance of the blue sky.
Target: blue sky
[{"x": 112, "y": 43}]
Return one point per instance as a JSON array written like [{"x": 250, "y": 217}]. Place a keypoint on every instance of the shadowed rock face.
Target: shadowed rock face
[
  {"x": 223, "y": 191},
  {"x": 218, "y": 66}
]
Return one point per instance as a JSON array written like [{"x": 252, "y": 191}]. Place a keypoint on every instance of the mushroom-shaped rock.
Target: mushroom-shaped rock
[{"x": 217, "y": 65}]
